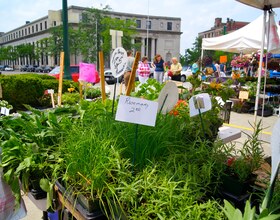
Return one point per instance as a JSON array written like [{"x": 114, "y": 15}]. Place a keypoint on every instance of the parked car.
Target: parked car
[
  {"x": 47, "y": 69},
  {"x": 74, "y": 72},
  {"x": 152, "y": 70},
  {"x": 31, "y": 68},
  {"x": 23, "y": 68},
  {"x": 9, "y": 68},
  {"x": 110, "y": 79},
  {"x": 39, "y": 69},
  {"x": 185, "y": 73},
  {"x": 2, "y": 68}
]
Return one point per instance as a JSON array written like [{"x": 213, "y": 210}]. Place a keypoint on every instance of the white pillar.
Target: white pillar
[
  {"x": 142, "y": 47},
  {"x": 153, "y": 48}
]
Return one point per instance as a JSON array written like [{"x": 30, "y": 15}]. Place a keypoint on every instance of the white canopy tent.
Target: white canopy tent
[
  {"x": 248, "y": 39},
  {"x": 244, "y": 40}
]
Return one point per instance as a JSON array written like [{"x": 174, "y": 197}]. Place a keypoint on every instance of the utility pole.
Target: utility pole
[{"x": 67, "y": 74}]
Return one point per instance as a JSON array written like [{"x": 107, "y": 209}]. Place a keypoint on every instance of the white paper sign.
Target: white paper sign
[
  {"x": 118, "y": 62},
  {"x": 275, "y": 149},
  {"x": 168, "y": 97},
  {"x": 3, "y": 110},
  {"x": 201, "y": 101},
  {"x": 136, "y": 110}
]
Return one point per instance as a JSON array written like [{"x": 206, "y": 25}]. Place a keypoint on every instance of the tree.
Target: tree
[
  {"x": 192, "y": 55},
  {"x": 95, "y": 33}
]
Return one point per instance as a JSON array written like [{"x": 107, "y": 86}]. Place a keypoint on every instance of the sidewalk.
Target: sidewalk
[{"x": 244, "y": 122}]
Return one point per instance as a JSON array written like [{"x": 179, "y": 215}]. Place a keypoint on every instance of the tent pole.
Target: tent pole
[
  {"x": 201, "y": 57},
  {"x": 260, "y": 71}
]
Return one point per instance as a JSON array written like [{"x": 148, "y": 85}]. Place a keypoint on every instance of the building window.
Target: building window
[
  {"x": 54, "y": 23},
  {"x": 169, "y": 26},
  {"x": 36, "y": 27},
  {"x": 138, "y": 23},
  {"x": 25, "y": 31},
  {"x": 32, "y": 29},
  {"x": 149, "y": 25},
  {"x": 28, "y": 30},
  {"x": 46, "y": 26},
  {"x": 41, "y": 26},
  {"x": 19, "y": 33},
  {"x": 22, "y": 33}
]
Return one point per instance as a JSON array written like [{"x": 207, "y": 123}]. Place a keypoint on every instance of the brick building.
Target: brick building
[{"x": 221, "y": 28}]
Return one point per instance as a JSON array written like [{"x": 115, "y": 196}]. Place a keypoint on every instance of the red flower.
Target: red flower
[{"x": 230, "y": 161}]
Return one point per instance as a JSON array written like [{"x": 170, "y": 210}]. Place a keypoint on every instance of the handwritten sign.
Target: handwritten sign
[
  {"x": 136, "y": 110},
  {"x": 118, "y": 62},
  {"x": 243, "y": 95},
  {"x": 200, "y": 102}
]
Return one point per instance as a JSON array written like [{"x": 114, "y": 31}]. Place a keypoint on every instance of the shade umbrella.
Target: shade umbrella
[{"x": 265, "y": 5}]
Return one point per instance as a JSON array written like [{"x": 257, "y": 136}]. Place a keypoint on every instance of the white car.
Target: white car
[
  {"x": 9, "y": 68},
  {"x": 185, "y": 73}
]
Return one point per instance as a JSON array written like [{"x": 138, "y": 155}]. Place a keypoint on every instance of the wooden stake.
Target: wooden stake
[
  {"x": 131, "y": 81},
  {"x": 102, "y": 77},
  {"x": 61, "y": 74}
]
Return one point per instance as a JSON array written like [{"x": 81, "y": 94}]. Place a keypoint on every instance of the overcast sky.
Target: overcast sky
[{"x": 196, "y": 15}]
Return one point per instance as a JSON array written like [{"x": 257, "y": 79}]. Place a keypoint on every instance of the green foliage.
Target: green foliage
[
  {"x": 29, "y": 89},
  {"x": 192, "y": 55},
  {"x": 149, "y": 90}
]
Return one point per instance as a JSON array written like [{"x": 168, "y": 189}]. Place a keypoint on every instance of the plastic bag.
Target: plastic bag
[{"x": 8, "y": 209}]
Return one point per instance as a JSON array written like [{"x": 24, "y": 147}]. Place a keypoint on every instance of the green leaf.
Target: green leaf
[
  {"x": 248, "y": 212},
  {"x": 45, "y": 185}
]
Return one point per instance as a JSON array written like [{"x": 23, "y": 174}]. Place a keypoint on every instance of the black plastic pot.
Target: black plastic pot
[
  {"x": 87, "y": 209},
  {"x": 234, "y": 186}
]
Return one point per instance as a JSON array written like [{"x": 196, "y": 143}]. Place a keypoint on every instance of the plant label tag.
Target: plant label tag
[
  {"x": 3, "y": 110},
  {"x": 137, "y": 111},
  {"x": 243, "y": 95},
  {"x": 50, "y": 91},
  {"x": 199, "y": 103},
  {"x": 275, "y": 149},
  {"x": 168, "y": 97},
  {"x": 118, "y": 62},
  {"x": 7, "y": 111}
]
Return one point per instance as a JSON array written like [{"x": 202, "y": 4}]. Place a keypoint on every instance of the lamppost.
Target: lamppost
[
  {"x": 147, "y": 26},
  {"x": 65, "y": 40}
]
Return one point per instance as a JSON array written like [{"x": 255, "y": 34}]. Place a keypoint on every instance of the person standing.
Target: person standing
[
  {"x": 130, "y": 61},
  {"x": 175, "y": 69},
  {"x": 159, "y": 68},
  {"x": 218, "y": 71},
  {"x": 143, "y": 70}
]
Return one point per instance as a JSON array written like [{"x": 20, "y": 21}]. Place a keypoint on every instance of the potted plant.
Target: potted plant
[
  {"x": 239, "y": 165},
  {"x": 266, "y": 111}
]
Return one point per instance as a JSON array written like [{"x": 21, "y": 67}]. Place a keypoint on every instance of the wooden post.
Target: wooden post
[
  {"x": 102, "y": 77},
  {"x": 81, "y": 89},
  {"x": 61, "y": 74},
  {"x": 131, "y": 81}
]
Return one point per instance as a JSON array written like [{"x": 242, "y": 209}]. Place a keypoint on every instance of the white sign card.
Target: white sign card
[
  {"x": 136, "y": 110},
  {"x": 3, "y": 110},
  {"x": 118, "y": 62},
  {"x": 275, "y": 149},
  {"x": 168, "y": 97},
  {"x": 200, "y": 102}
]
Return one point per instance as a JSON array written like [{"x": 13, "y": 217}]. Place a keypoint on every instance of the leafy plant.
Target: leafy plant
[{"x": 149, "y": 90}]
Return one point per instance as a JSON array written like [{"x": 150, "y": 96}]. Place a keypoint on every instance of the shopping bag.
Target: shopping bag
[{"x": 8, "y": 208}]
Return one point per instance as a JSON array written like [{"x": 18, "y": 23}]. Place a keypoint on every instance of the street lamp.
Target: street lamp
[{"x": 147, "y": 26}]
